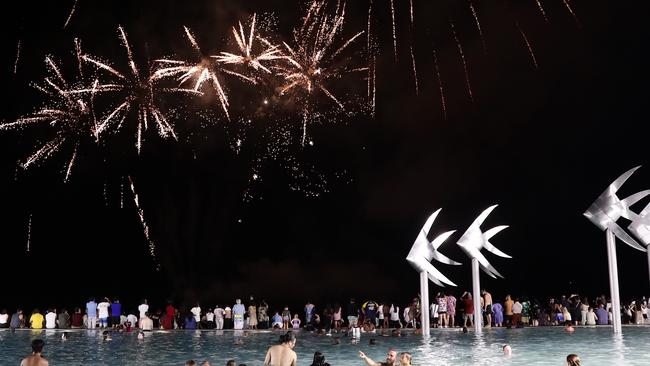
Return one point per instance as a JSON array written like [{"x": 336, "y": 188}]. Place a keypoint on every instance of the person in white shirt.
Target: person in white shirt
[
  {"x": 394, "y": 316},
  {"x": 197, "y": 313},
  {"x": 218, "y": 315},
  {"x": 516, "y": 312},
  {"x": 131, "y": 318},
  {"x": 4, "y": 319},
  {"x": 209, "y": 318},
  {"x": 50, "y": 319},
  {"x": 143, "y": 308},
  {"x": 102, "y": 309}
]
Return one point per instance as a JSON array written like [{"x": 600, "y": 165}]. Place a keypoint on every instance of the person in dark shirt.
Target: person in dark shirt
[
  {"x": 64, "y": 319},
  {"x": 77, "y": 318}
]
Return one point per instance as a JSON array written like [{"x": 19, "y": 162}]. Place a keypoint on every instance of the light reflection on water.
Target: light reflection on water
[{"x": 531, "y": 346}]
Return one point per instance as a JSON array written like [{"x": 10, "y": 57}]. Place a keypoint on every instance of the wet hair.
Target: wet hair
[
  {"x": 372, "y": 341},
  {"x": 231, "y": 363},
  {"x": 407, "y": 354},
  {"x": 37, "y": 345},
  {"x": 319, "y": 359},
  {"x": 287, "y": 337},
  {"x": 573, "y": 360},
  {"x": 190, "y": 363}
]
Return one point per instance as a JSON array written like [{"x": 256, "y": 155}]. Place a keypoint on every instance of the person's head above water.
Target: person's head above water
[
  {"x": 288, "y": 339},
  {"x": 507, "y": 350},
  {"x": 37, "y": 345},
  {"x": 405, "y": 358},
  {"x": 573, "y": 360}
]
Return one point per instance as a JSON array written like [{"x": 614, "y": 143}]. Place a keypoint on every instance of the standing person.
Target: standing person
[
  {"x": 218, "y": 316},
  {"x": 238, "y": 311},
  {"x": 497, "y": 309},
  {"x": 116, "y": 313},
  {"x": 507, "y": 305},
  {"x": 143, "y": 308},
  {"x": 91, "y": 312},
  {"x": 584, "y": 309},
  {"x": 442, "y": 310},
  {"x": 286, "y": 317},
  {"x": 146, "y": 323},
  {"x": 36, "y": 320},
  {"x": 391, "y": 358},
  {"x": 309, "y": 312},
  {"x": 380, "y": 316},
  {"x": 407, "y": 316},
  {"x": 517, "y": 308},
  {"x": 591, "y": 317},
  {"x": 353, "y": 313},
  {"x": 433, "y": 312},
  {"x": 36, "y": 359},
  {"x": 227, "y": 318},
  {"x": 196, "y": 312},
  {"x": 168, "y": 319},
  {"x": 263, "y": 315},
  {"x": 451, "y": 310},
  {"x": 252, "y": 316},
  {"x": 282, "y": 354},
  {"x": 50, "y": 319},
  {"x": 394, "y": 316},
  {"x": 102, "y": 312},
  {"x": 64, "y": 319},
  {"x": 468, "y": 315},
  {"x": 487, "y": 307}
]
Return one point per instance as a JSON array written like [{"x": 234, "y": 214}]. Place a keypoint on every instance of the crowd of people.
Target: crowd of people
[{"x": 445, "y": 311}]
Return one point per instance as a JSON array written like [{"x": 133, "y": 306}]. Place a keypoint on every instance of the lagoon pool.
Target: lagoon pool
[{"x": 531, "y": 346}]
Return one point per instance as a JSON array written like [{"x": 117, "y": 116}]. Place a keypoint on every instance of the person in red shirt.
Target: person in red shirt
[
  {"x": 77, "y": 319},
  {"x": 468, "y": 306},
  {"x": 168, "y": 322}
]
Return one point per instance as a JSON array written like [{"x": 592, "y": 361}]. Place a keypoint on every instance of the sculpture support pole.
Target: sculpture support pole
[
  {"x": 613, "y": 281},
  {"x": 476, "y": 296},
  {"x": 424, "y": 304},
  {"x": 648, "y": 258}
]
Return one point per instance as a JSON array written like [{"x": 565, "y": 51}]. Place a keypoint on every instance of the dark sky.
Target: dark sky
[{"x": 543, "y": 143}]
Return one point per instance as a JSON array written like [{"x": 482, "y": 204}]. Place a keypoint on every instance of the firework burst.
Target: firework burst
[
  {"x": 201, "y": 70},
  {"x": 312, "y": 63},
  {"x": 66, "y": 112},
  {"x": 139, "y": 92},
  {"x": 247, "y": 57}
]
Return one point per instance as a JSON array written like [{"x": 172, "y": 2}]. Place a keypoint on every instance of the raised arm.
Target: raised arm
[{"x": 368, "y": 360}]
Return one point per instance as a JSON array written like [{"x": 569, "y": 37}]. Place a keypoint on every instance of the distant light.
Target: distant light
[
  {"x": 266, "y": 101},
  {"x": 311, "y": 143},
  {"x": 255, "y": 176}
]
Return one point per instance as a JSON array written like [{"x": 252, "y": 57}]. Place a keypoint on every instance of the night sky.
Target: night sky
[{"x": 542, "y": 143}]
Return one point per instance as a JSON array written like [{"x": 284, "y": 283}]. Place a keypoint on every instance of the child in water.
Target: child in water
[{"x": 295, "y": 322}]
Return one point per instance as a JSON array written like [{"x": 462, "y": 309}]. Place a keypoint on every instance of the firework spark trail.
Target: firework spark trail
[
  {"x": 74, "y": 6},
  {"x": 530, "y": 48},
  {"x": 439, "y": 79},
  {"x": 541, "y": 10},
  {"x": 145, "y": 226},
  {"x": 71, "y": 164},
  {"x": 462, "y": 57},
  {"x": 415, "y": 70},
  {"x": 77, "y": 48},
  {"x": 17, "y": 57},
  {"x": 478, "y": 26},
  {"x": 392, "y": 15},
  {"x": 370, "y": 51},
  {"x": 29, "y": 232},
  {"x": 567, "y": 4}
]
